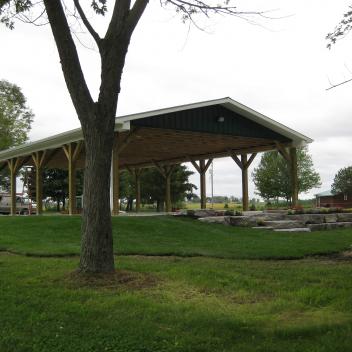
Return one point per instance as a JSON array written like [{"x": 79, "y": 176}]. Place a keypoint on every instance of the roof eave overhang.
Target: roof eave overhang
[{"x": 52, "y": 142}]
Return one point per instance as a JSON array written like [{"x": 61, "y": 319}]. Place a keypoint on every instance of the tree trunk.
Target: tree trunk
[
  {"x": 97, "y": 243},
  {"x": 58, "y": 205},
  {"x": 97, "y": 120}
]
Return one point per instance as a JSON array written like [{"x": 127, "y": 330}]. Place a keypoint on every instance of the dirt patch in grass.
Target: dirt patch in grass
[
  {"x": 119, "y": 279},
  {"x": 345, "y": 256}
]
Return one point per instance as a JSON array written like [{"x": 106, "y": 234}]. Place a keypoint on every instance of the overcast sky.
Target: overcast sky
[{"x": 279, "y": 67}]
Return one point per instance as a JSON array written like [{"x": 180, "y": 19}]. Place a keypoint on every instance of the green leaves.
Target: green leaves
[
  {"x": 343, "y": 181},
  {"x": 343, "y": 28},
  {"x": 15, "y": 116},
  {"x": 272, "y": 176},
  {"x": 99, "y": 7},
  {"x": 9, "y": 9}
]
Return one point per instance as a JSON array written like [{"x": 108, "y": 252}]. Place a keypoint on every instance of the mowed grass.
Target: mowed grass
[
  {"x": 195, "y": 304},
  {"x": 60, "y": 235},
  {"x": 198, "y": 295}
]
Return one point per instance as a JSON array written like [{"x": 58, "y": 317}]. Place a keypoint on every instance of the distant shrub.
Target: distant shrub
[
  {"x": 252, "y": 207},
  {"x": 226, "y": 206},
  {"x": 229, "y": 213}
]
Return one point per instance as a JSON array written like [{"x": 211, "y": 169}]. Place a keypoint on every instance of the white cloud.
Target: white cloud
[{"x": 281, "y": 70}]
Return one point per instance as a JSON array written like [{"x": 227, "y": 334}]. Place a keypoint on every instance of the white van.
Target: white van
[{"x": 24, "y": 205}]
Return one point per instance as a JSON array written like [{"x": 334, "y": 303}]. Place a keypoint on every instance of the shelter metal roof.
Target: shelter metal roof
[{"x": 179, "y": 133}]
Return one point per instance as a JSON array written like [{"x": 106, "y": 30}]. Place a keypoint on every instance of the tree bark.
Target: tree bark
[
  {"x": 97, "y": 243},
  {"x": 97, "y": 120}
]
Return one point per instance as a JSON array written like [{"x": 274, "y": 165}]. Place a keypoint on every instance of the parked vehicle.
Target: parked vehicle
[{"x": 24, "y": 206}]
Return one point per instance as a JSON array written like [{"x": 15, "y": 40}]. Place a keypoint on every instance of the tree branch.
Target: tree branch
[
  {"x": 120, "y": 12},
  {"x": 339, "y": 84},
  {"x": 71, "y": 66},
  {"x": 189, "y": 8},
  {"x": 135, "y": 13},
  {"x": 84, "y": 18}
]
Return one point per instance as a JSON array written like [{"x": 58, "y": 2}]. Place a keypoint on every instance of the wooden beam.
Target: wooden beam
[
  {"x": 236, "y": 159},
  {"x": 77, "y": 151},
  {"x": 294, "y": 176},
  {"x": 283, "y": 151},
  {"x": 202, "y": 184},
  {"x": 72, "y": 151},
  {"x": 184, "y": 159},
  {"x": 202, "y": 169},
  {"x": 12, "y": 166},
  {"x": 195, "y": 165},
  {"x": 38, "y": 159},
  {"x": 206, "y": 166},
  {"x": 166, "y": 172},
  {"x": 245, "y": 199},
  {"x": 250, "y": 160},
  {"x": 123, "y": 144},
  {"x": 160, "y": 168}
]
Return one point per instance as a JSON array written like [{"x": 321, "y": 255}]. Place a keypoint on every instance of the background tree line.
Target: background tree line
[{"x": 55, "y": 186}]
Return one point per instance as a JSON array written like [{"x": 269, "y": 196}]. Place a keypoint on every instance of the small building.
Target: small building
[{"x": 327, "y": 199}]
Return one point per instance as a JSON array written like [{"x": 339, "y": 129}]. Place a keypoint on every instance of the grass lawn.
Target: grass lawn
[
  {"x": 208, "y": 290},
  {"x": 60, "y": 235}
]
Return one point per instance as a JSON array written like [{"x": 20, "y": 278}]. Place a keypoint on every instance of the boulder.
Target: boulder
[
  {"x": 243, "y": 221},
  {"x": 308, "y": 218},
  {"x": 215, "y": 220},
  {"x": 344, "y": 217},
  {"x": 330, "y": 218},
  {"x": 295, "y": 229},
  {"x": 201, "y": 213},
  {"x": 284, "y": 224}
]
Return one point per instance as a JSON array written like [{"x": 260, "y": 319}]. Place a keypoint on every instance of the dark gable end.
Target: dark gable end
[{"x": 206, "y": 119}]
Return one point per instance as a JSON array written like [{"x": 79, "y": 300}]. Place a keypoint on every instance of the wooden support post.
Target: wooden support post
[
  {"x": 166, "y": 172},
  {"x": 294, "y": 176},
  {"x": 38, "y": 159},
  {"x": 203, "y": 185},
  {"x": 202, "y": 169},
  {"x": 245, "y": 198},
  {"x": 137, "y": 174},
  {"x": 244, "y": 164},
  {"x": 115, "y": 179},
  {"x": 72, "y": 151},
  {"x": 13, "y": 189},
  {"x": 13, "y": 165}
]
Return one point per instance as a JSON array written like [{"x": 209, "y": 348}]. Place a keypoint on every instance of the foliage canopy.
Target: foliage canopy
[
  {"x": 15, "y": 116},
  {"x": 272, "y": 176},
  {"x": 15, "y": 121},
  {"x": 343, "y": 181}
]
